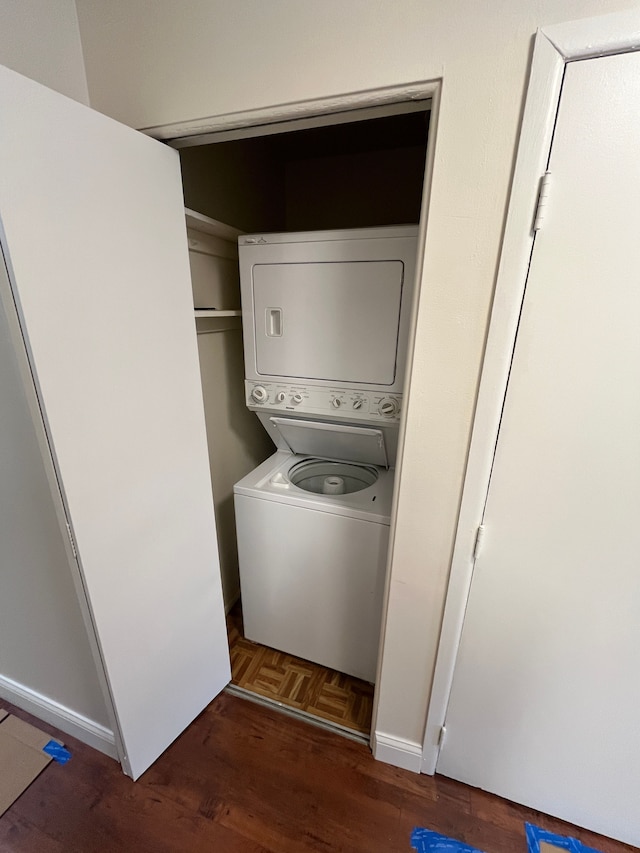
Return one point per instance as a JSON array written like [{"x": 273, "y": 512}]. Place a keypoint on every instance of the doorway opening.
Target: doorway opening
[{"x": 354, "y": 171}]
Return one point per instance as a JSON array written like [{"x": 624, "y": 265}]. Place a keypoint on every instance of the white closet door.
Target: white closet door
[
  {"x": 94, "y": 236},
  {"x": 546, "y": 690}
]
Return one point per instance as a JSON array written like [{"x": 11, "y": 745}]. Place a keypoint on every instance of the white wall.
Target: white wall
[
  {"x": 40, "y": 39},
  {"x": 43, "y": 642},
  {"x": 237, "y": 441},
  {"x": 154, "y": 63}
]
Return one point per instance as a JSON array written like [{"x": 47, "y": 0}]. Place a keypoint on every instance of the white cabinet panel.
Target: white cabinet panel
[{"x": 94, "y": 234}]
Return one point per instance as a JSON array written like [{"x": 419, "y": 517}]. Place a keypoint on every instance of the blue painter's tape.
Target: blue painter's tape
[
  {"x": 426, "y": 841},
  {"x": 535, "y": 835},
  {"x": 57, "y": 752}
]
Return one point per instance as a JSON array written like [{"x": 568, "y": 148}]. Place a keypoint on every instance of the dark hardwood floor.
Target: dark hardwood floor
[{"x": 245, "y": 779}]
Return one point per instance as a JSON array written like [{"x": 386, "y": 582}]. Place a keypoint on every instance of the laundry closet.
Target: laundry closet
[{"x": 354, "y": 179}]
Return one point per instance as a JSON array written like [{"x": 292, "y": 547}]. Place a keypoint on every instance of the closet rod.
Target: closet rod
[{"x": 215, "y": 331}]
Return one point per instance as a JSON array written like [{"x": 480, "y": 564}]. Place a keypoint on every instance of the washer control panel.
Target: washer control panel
[{"x": 324, "y": 400}]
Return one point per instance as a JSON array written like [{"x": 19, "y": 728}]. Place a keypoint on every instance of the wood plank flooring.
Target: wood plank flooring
[
  {"x": 298, "y": 683},
  {"x": 246, "y": 779}
]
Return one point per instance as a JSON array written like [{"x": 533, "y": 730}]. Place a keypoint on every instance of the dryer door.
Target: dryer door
[{"x": 329, "y": 321}]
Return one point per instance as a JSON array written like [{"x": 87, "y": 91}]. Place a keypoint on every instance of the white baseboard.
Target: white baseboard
[
  {"x": 68, "y": 721},
  {"x": 396, "y": 751}
]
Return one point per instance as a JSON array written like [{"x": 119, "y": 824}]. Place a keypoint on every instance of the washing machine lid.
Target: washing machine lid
[{"x": 333, "y": 441}]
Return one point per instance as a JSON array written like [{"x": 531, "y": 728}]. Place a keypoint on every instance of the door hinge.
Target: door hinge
[
  {"x": 441, "y": 736},
  {"x": 71, "y": 540},
  {"x": 543, "y": 198},
  {"x": 478, "y": 542}
]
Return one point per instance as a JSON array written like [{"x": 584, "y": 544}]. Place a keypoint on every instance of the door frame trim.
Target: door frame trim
[
  {"x": 554, "y": 46},
  {"x": 295, "y": 115},
  {"x": 314, "y": 113}
]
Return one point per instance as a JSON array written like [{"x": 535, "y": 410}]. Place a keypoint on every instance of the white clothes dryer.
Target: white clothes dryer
[{"x": 328, "y": 307}]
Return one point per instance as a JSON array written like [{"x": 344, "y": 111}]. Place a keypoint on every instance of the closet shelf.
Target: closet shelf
[
  {"x": 212, "y": 312},
  {"x": 200, "y": 222}
]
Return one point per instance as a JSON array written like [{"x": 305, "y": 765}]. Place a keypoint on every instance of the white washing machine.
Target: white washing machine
[
  {"x": 325, "y": 321},
  {"x": 312, "y": 546}
]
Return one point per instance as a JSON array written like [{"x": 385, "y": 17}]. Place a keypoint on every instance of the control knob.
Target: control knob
[
  {"x": 388, "y": 407},
  {"x": 259, "y": 394},
  {"x": 336, "y": 402},
  {"x": 357, "y": 404},
  {"x": 297, "y": 398},
  {"x": 280, "y": 397}
]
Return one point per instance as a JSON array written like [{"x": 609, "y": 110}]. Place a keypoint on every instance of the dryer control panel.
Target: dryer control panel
[{"x": 324, "y": 401}]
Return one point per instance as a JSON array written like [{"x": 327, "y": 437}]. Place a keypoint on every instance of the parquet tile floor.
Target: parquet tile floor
[{"x": 298, "y": 683}]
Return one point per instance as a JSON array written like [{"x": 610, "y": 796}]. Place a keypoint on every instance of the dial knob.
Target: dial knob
[
  {"x": 357, "y": 404},
  {"x": 259, "y": 394},
  {"x": 280, "y": 397},
  {"x": 336, "y": 402},
  {"x": 297, "y": 398},
  {"x": 388, "y": 407}
]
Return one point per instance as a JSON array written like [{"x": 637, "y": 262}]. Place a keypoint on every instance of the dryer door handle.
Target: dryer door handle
[{"x": 273, "y": 322}]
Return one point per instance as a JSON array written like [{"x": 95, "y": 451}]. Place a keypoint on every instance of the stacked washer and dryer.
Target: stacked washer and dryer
[{"x": 325, "y": 320}]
